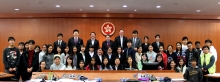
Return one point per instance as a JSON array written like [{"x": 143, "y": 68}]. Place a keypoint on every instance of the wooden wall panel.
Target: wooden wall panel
[{"x": 45, "y": 30}]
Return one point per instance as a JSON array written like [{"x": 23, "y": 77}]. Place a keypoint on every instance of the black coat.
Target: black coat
[
  {"x": 120, "y": 67},
  {"x": 156, "y": 48},
  {"x": 195, "y": 55},
  {"x": 71, "y": 43},
  {"x": 105, "y": 46},
  {"x": 118, "y": 42},
  {"x": 35, "y": 61},
  {"x": 89, "y": 42},
  {"x": 55, "y": 44}
]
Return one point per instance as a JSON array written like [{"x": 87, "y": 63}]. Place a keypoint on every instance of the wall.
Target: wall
[{"x": 45, "y": 29}]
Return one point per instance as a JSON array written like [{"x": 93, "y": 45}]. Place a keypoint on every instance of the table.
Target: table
[
  {"x": 5, "y": 76},
  {"x": 110, "y": 76},
  {"x": 214, "y": 77}
]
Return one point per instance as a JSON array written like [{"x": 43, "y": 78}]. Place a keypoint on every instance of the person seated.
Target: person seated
[
  {"x": 181, "y": 67},
  {"x": 81, "y": 65},
  {"x": 118, "y": 65},
  {"x": 172, "y": 65},
  {"x": 92, "y": 65},
  {"x": 144, "y": 59},
  {"x": 159, "y": 59},
  {"x": 42, "y": 66},
  {"x": 130, "y": 65},
  {"x": 56, "y": 65},
  {"x": 69, "y": 65},
  {"x": 105, "y": 64}
]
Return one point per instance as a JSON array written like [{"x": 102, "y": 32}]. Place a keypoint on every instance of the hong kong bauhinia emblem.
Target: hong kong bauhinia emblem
[{"x": 108, "y": 28}]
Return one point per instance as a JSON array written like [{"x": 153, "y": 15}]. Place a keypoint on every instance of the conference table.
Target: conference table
[
  {"x": 212, "y": 77},
  {"x": 5, "y": 76},
  {"x": 111, "y": 76}
]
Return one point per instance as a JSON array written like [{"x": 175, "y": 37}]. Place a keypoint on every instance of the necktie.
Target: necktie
[
  {"x": 59, "y": 43},
  {"x": 134, "y": 41},
  {"x": 158, "y": 44},
  {"x": 121, "y": 41},
  {"x": 127, "y": 52},
  {"x": 75, "y": 40},
  {"x": 108, "y": 44}
]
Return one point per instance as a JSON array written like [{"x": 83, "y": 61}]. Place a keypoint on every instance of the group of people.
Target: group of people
[{"x": 120, "y": 54}]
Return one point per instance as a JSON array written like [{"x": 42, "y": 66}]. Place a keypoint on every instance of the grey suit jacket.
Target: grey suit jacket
[{"x": 137, "y": 44}]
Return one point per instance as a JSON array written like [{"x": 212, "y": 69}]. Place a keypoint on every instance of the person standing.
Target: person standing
[{"x": 75, "y": 41}]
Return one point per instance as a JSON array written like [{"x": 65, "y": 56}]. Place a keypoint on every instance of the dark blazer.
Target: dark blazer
[
  {"x": 137, "y": 44},
  {"x": 71, "y": 43},
  {"x": 112, "y": 60},
  {"x": 88, "y": 59},
  {"x": 122, "y": 58},
  {"x": 118, "y": 42},
  {"x": 89, "y": 42},
  {"x": 55, "y": 44},
  {"x": 105, "y": 47},
  {"x": 130, "y": 52},
  {"x": 133, "y": 66},
  {"x": 145, "y": 47},
  {"x": 80, "y": 57},
  {"x": 156, "y": 48},
  {"x": 194, "y": 55},
  {"x": 35, "y": 61},
  {"x": 120, "y": 67},
  {"x": 98, "y": 60}
]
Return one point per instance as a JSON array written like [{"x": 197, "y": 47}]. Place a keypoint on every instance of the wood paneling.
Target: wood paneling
[{"x": 44, "y": 30}]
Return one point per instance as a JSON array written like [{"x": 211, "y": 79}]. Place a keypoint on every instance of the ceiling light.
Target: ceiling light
[
  {"x": 218, "y": 2},
  {"x": 80, "y": 9},
  {"x": 135, "y": 10},
  {"x": 17, "y": 9},
  {"x": 57, "y": 5},
  {"x": 125, "y": 6},
  {"x": 158, "y": 6},
  {"x": 198, "y": 10},
  {"x": 91, "y": 5},
  {"x": 107, "y": 9}
]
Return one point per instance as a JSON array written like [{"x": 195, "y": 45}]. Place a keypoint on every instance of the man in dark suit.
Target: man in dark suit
[
  {"x": 121, "y": 40},
  {"x": 75, "y": 41},
  {"x": 107, "y": 43},
  {"x": 93, "y": 41},
  {"x": 59, "y": 42},
  {"x": 99, "y": 56},
  {"x": 129, "y": 51},
  {"x": 136, "y": 42},
  {"x": 157, "y": 43}
]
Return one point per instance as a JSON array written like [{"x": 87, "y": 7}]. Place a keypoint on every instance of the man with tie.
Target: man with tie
[
  {"x": 107, "y": 43},
  {"x": 59, "y": 42},
  {"x": 75, "y": 41},
  {"x": 92, "y": 41},
  {"x": 136, "y": 42},
  {"x": 157, "y": 43},
  {"x": 121, "y": 40}
]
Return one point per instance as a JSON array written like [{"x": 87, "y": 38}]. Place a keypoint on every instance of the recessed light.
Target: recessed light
[
  {"x": 158, "y": 6},
  {"x": 107, "y": 9},
  {"x": 198, "y": 10},
  {"x": 80, "y": 9},
  {"x": 218, "y": 2},
  {"x": 58, "y": 6},
  {"x": 135, "y": 10},
  {"x": 125, "y": 6},
  {"x": 17, "y": 9},
  {"x": 91, "y": 5}
]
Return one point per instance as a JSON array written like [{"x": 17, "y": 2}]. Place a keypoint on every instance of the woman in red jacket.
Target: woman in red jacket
[
  {"x": 164, "y": 55},
  {"x": 92, "y": 65}
]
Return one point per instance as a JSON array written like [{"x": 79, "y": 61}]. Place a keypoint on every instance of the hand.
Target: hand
[
  {"x": 202, "y": 69},
  {"x": 28, "y": 70},
  {"x": 14, "y": 69},
  {"x": 10, "y": 69},
  {"x": 31, "y": 69},
  {"x": 135, "y": 49}
]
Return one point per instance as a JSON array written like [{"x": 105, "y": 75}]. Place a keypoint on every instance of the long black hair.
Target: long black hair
[
  {"x": 60, "y": 49},
  {"x": 66, "y": 46},
  {"x": 103, "y": 65},
  {"x": 160, "y": 63},
  {"x": 169, "y": 67},
  {"x": 127, "y": 64},
  {"x": 69, "y": 57},
  {"x": 144, "y": 54},
  {"x": 40, "y": 70},
  {"x": 95, "y": 65},
  {"x": 49, "y": 45},
  {"x": 180, "y": 48}
]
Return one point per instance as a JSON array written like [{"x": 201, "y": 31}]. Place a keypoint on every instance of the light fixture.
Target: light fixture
[
  {"x": 57, "y": 6},
  {"x": 17, "y": 9},
  {"x": 135, "y": 10},
  {"x": 124, "y": 6},
  {"x": 198, "y": 10},
  {"x": 107, "y": 9},
  {"x": 218, "y": 2},
  {"x": 91, "y": 5},
  {"x": 80, "y": 9},
  {"x": 158, "y": 6}
]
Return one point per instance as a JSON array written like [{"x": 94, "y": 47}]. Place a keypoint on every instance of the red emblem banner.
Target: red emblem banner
[{"x": 108, "y": 28}]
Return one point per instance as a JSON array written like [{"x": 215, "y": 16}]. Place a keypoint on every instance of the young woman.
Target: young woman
[
  {"x": 172, "y": 65},
  {"x": 81, "y": 65},
  {"x": 138, "y": 54},
  {"x": 49, "y": 56},
  {"x": 159, "y": 58},
  {"x": 181, "y": 67},
  {"x": 82, "y": 56},
  {"x": 130, "y": 65},
  {"x": 42, "y": 66},
  {"x": 151, "y": 54},
  {"x": 110, "y": 56},
  {"x": 170, "y": 54},
  {"x": 37, "y": 48},
  {"x": 118, "y": 65},
  {"x": 120, "y": 55},
  {"x": 59, "y": 52},
  {"x": 74, "y": 55},
  {"x": 43, "y": 52},
  {"x": 69, "y": 65},
  {"x": 92, "y": 65},
  {"x": 105, "y": 64},
  {"x": 164, "y": 56},
  {"x": 144, "y": 59},
  {"x": 65, "y": 54},
  {"x": 178, "y": 49},
  {"x": 145, "y": 44}
]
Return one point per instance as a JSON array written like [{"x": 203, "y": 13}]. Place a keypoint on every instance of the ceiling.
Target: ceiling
[{"x": 207, "y": 7}]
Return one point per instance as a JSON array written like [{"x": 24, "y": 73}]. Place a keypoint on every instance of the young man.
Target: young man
[
  {"x": 157, "y": 44},
  {"x": 21, "y": 69},
  {"x": 136, "y": 42},
  {"x": 11, "y": 56},
  {"x": 193, "y": 73},
  {"x": 198, "y": 48},
  {"x": 59, "y": 42},
  {"x": 75, "y": 41},
  {"x": 207, "y": 61},
  {"x": 31, "y": 60},
  {"x": 184, "y": 45},
  {"x": 212, "y": 49},
  {"x": 121, "y": 40},
  {"x": 190, "y": 53},
  {"x": 107, "y": 43},
  {"x": 92, "y": 41},
  {"x": 129, "y": 51}
]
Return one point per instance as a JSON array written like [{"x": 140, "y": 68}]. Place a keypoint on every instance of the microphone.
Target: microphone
[{"x": 56, "y": 78}]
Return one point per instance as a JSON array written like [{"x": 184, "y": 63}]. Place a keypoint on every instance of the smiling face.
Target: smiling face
[{"x": 159, "y": 58}]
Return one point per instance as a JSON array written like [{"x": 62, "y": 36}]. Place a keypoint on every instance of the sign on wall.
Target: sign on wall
[{"x": 108, "y": 28}]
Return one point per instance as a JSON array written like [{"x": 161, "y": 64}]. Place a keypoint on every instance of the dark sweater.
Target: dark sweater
[
  {"x": 11, "y": 58},
  {"x": 193, "y": 74}
]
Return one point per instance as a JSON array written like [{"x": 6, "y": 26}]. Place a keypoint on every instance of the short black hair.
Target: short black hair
[
  {"x": 184, "y": 38},
  {"x": 208, "y": 40},
  {"x": 91, "y": 46},
  {"x": 121, "y": 29},
  {"x": 205, "y": 47},
  {"x": 135, "y": 32},
  {"x": 11, "y": 38},
  {"x": 21, "y": 43},
  {"x": 189, "y": 42},
  {"x": 59, "y": 34},
  {"x": 37, "y": 46},
  {"x": 56, "y": 57},
  {"x": 157, "y": 35},
  {"x": 26, "y": 42},
  {"x": 92, "y": 32},
  {"x": 193, "y": 59},
  {"x": 31, "y": 41},
  {"x": 146, "y": 37},
  {"x": 75, "y": 30},
  {"x": 82, "y": 46},
  {"x": 197, "y": 42},
  {"x": 129, "y": 41}
]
